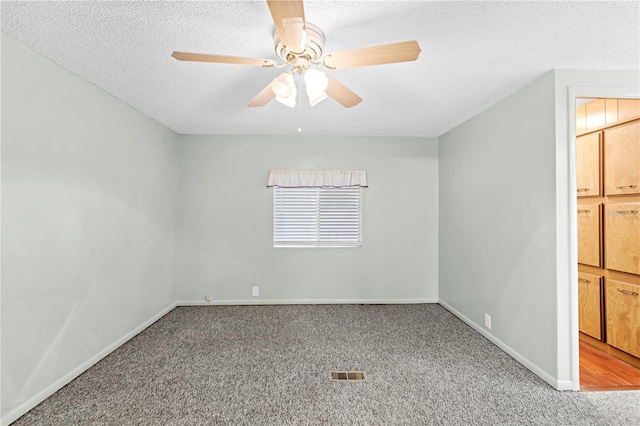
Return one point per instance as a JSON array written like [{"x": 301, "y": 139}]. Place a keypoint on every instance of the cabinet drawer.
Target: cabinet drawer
[
  {"x": 588, "y": 167},
  {"x": 590, "y": 304},
  {"x": 622, "y": 160},
  {"x": 623, "y": 316},
  {"x": 622, "y": 237},
  {"x": 589, "y": 252}
]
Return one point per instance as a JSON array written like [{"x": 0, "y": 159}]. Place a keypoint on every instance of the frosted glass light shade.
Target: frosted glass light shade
[
  {"x": 283, "y": 85},
  {"x": 316, "y": 98},
  {"x": 290, "y": 100},
  {"x": 315, "y": 81}
]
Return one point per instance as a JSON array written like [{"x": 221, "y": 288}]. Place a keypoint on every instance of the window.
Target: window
[{"x": 316, "y": 217}]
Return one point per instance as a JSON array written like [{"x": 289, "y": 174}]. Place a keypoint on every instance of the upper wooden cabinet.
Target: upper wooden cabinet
[
  {"x": 628, "y": 109},
  {"x": 596, "y": 114},
  {"x": 622, "y": 160},
  {"x": 599, "y": 113},
  {"x": 621, "y": 237},
  {"x": 588, "y": 177},
  {"x": 610, "y": 111},
  {"x": 581, "y": 119},
  {"x": 589, "y": 252},
  {"x": 590, "y": 304},
  {"x": 623, "y": 316}
]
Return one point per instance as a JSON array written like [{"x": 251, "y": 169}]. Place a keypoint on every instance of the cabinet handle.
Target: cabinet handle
[
  {"x": 634, "y": 212},
  {"x": 585, "y": 189},
  {"x": 625, "y": 291},
  {"x": 626, "y": 187},
  {"x": 584, "y": 211},
  {"x": 584, "y": 280}
]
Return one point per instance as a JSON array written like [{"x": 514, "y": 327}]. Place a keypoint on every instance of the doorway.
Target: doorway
[{"x": 607, "y": 157}]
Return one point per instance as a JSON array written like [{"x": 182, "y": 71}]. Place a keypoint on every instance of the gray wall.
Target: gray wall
[
  {"x": 497, "y": 209},
  {"x": 88, "y": 225},
  {"x": 225, "y": 221}
]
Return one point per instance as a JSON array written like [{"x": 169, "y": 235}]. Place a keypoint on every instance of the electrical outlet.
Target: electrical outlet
[
  {"x": 487, "y": 321},
  {"x": 256, "y": 291},
  {"x": 207, "y": 298}
]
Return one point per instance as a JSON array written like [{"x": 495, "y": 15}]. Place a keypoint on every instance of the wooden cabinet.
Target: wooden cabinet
[
  {"x": 589, "y": 252},
  {"x": 588, "y": 165},
  {"x": 581, "y": 119},
  {"x": 611, "y": 111},
  {"x": 596, "y": 114},
  {"x": 622, "y": 160},
  {"x": 590, "y": 304},
  {"x": 623, "y": 316},
  {"x": 622, "y": 237},
  {"x": 608, "y": 216},
  {"x": 599, "y": 113},
  {"x": 628, "y": 109}
]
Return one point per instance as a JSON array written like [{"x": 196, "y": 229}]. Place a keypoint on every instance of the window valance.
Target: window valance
[{"x": 317, "y": 178}]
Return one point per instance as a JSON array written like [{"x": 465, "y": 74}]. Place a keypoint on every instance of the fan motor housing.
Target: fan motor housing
[{"x": 313, "y": 49}]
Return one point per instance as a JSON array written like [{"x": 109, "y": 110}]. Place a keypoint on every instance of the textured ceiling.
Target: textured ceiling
[{"x": 473, "y": 54}]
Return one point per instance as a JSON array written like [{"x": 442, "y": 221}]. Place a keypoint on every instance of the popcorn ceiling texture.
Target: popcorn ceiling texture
[{"x": 473, "y": 55}]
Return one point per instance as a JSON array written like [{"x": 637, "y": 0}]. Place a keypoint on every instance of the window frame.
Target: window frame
[{"x": 318, "y": 242}]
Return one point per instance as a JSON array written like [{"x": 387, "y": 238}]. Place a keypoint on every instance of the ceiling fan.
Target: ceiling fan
[{"x": 300, "y": 45}]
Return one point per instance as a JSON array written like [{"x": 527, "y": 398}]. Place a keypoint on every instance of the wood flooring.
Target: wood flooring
[{"x": 601, "y": 371}]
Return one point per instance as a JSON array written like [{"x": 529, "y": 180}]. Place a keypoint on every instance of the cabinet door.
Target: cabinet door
[
  {"x": 581, "y": 119},
  {"x": 611, "y": 111},
  {"x": 628, "y": 109},
  {"x": 623, "y": 316},
  {"x": 596, "y": 114},
  {"x": 622, "y": 237},
  {"x": 589, "y": 234},
  {"x": 588, "y": 155},
  {"x": 622, "y": 160},
  {"x": 590, "y": 304}
]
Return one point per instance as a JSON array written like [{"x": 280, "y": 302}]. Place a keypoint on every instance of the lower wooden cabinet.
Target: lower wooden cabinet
[
  {"x": 622, "y": 237},
  {"x": 623, "y": 316},
  {"x": 589, "y": 252},
  {"x": 590, "y": 304}
]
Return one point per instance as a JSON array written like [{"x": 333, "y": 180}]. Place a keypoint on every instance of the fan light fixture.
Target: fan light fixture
[
  {"x": 283, "y": 85},
  {"x": 300, "y": 45},
  {"x": 290, "y": 100},
  {"x": 284, "y": 88},
  {"x": 316, "y": 83}
]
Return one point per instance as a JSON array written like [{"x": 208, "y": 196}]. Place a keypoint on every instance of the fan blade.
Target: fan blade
[
  {"x": 262, "y": 98},
  {"x": 405, "y": 51},
  {"x": 288, "y": 16},
  {"x": 341, "y": 93},
  {"x": 295, "y": 37},
  {"x": 222, "y": 59}
]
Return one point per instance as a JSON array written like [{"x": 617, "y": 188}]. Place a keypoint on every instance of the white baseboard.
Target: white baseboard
[
  {"x": 306, "y": 302},
  {"x": 567, "y": 385},
  {"x": 23, "y": 408},
  {"x": 557, "y": 384}
]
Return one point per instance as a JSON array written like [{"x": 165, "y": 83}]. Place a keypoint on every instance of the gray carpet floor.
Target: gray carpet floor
[{"x": 269, "y": 365}]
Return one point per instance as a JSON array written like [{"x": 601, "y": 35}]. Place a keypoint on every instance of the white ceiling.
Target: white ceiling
[{"x": 473, "y": 54}]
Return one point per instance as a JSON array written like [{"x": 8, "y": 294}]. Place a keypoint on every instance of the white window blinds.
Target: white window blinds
[
  {"x": 316, "y": 217},
  {"x": 317, "y": 208}
]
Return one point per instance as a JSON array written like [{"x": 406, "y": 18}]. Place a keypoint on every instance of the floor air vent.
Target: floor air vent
[{"x": 346, "y": 376}]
